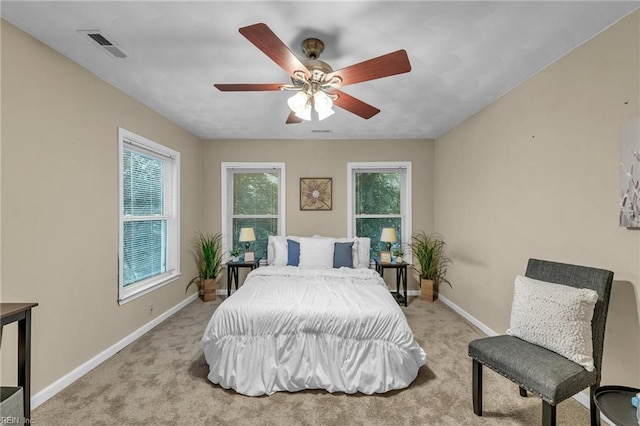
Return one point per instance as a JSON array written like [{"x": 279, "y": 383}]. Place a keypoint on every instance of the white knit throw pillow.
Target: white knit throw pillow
[{"x": 556, "y": 317}]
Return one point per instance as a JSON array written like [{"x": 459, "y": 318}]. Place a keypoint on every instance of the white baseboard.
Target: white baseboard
[
  {"x": 83, "y": 369},
  {"x": 466, "y": 315},
  {"x": 580, "y": 397}
]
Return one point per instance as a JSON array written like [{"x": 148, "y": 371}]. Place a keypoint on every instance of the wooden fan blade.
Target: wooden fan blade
[
  {"x": 293, "y": 118},
  {"x": 354, "y": 105},
  {"x": 383, "y": 66},
  {"x": 265, "y": 39},
  {"x": 249, "y": 87}
]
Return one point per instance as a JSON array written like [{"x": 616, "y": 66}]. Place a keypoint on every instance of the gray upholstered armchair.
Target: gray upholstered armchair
[{"x": 540, "y": 371}]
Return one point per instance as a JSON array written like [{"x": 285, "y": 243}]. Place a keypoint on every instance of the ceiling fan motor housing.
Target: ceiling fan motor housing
[
  {"x": 318, "y": 69},
  {"x": 312, "y": 48}
]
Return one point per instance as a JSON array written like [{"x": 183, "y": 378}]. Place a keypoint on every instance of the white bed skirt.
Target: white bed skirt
[{"x": 288, "y": 329}]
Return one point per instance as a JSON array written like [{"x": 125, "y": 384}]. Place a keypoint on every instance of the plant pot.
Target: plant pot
[
  {"x": 235, "y": 258},
  {"x": 427, "y": 290},
  {"x": 209, "y": 287},
  {"x": 399, "y": 259}
]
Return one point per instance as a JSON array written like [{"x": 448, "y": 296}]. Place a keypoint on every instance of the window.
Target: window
[
  {"x": 253, "y": 197},
  {"x": 149, "y": 223},
  {"x": 379, "y": 196}
]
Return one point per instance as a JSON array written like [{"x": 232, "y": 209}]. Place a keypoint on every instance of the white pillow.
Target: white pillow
[
  {"x": 556, "y": 317},
  {"x": 316, "y": 252},
  {"x": 361, "y": 257},
  {"x": 277, "y": 254}
]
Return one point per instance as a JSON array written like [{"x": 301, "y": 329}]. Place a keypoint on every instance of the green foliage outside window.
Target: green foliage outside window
[
  {"x": 372, "y": 228},
  {"x": 377, "y": 206},
  {"x": 378, "y": 193},
  {"x": 255, "y": 205},
  {"x": 255, "y": 193}
]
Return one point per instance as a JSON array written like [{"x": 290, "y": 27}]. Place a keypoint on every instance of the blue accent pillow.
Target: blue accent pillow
[
  {"x": 342, "y": 255},
  {"x": 293, "y": 249}
]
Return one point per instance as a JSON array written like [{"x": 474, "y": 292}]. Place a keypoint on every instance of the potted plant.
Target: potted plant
[
  {"x": 398, "y": 253},
  {"x": 235, "y": 254},
  {"x": 429, "y": 252},
  {"x": 208, "y": 254}
]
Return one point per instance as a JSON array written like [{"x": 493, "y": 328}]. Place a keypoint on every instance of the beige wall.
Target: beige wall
[
  {"x": 535, "y": 174},
  {"x": 325, "y": 158},
  {"x": 532, "y": 175},
  {"x": 60, "y": 206}
]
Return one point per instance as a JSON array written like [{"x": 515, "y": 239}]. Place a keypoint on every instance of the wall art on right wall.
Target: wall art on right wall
[{"x": 630, "y": 173}]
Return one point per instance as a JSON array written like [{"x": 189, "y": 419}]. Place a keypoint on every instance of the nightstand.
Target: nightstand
[
  {"x": 401, "y": 278},
  {"x": 233, "y": 269},
  {"x": 21, "y": 313}
]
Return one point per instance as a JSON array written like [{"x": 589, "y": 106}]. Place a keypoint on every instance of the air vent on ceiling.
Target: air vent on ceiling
[
  {"x": 320, "y": 131},
  {"x": 99, "y": 38}
]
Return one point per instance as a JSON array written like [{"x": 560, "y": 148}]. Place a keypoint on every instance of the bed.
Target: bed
[{"x": 290, "y": 328}]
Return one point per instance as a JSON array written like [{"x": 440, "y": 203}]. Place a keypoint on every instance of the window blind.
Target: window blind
[
  {"x": 149, "y": 200},
  {"x": 144, "y": 240}
]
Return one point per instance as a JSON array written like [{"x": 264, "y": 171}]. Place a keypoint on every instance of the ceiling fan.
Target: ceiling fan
[{"x": 313, "y": 80}]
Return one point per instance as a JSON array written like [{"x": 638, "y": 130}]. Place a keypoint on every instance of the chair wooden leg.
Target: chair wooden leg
[
  {"x": 523, "y": 392},
  {"x": 594, "y": 411},
  {"x": 477, "y": 388},
  {"x": 548, "y": 414}
]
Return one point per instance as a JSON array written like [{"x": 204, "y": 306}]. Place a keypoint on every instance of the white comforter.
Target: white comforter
[{"x": 288, "y": 329}]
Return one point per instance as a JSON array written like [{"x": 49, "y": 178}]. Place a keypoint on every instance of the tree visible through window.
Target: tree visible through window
[
  {"x": 380, "y": 199},
  {"x": 255, "y": 205},
  {"x": 378, "y": 206},
  {"x": 254, "y": 195}
]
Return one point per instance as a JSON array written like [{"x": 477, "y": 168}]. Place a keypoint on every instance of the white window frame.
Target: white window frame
[
  {"x": 171, "y": 158},
  {"x": 226, "y": 169},
  {"x": 405, "y": 195}
]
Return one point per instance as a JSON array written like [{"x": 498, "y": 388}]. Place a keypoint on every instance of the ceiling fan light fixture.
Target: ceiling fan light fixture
[
  {"x": 305, "y": 113},
  {"x": 298, "y": 102},
  {"x": 315, "y": 81}
]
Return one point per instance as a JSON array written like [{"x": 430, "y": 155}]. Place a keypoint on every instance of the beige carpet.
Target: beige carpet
[{"x": 161, "y": 380}]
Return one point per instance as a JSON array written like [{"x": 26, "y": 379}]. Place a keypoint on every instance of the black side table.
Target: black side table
[
  {"x": 21, "y": 312},
  {"x": 233, "y": 269},
  {"x": 401, "y": 278},
  {"x": 615, "y": 403}
]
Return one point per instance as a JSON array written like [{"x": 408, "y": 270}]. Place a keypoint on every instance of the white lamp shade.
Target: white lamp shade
[
  {"x": 324, "y": 114},
  {"x": 305, "y": 114},
  {"x": 322, "y": 102},
  {"x": 388, "y": 235},
  {"x": 247, "y": 234},
  {"x": 298, "y": 102}
]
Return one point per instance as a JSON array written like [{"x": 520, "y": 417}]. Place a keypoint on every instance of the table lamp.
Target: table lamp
[
  {"x": 247, "y": 235},
  {"x": 388, "y": 236}
]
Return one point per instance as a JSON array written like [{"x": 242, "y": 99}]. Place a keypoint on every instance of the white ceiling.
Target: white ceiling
[{"x": 464, "y": 55}]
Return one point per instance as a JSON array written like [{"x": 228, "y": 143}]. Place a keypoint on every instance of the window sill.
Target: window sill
[{"x": 147, "y": 286}]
